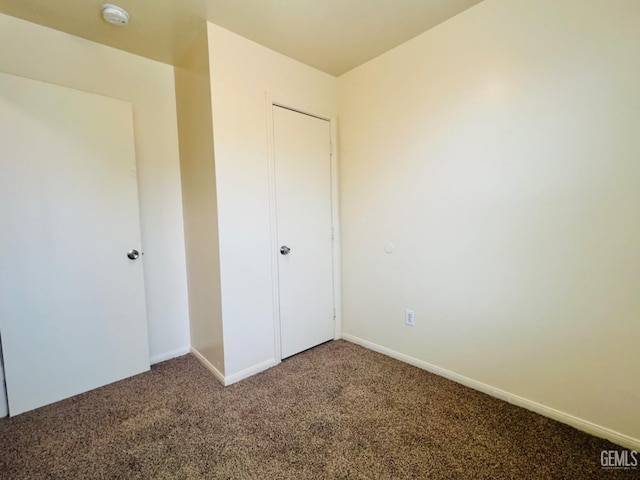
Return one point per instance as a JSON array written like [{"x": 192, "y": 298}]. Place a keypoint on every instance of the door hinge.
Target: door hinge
[
  {"x": 334, "y": 313},
  {"x": 333, "y": 233}
]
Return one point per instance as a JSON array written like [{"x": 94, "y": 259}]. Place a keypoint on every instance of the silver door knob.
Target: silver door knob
[
  {"x": 284, "y": 250},
  {"x": 133, "y": 254}
]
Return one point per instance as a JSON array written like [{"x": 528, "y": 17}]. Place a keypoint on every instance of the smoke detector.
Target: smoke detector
[{"x": 115, "y": 15}]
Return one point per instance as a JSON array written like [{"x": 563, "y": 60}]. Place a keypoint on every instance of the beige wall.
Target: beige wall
[
  {"x": 193, "y": 96},
  {"x": 241, "y": 73},
  {"x": 40, "y": 53},
  {"x": 499, "y": 153}
]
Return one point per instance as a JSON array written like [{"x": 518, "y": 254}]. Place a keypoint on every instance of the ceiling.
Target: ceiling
[{"x": 332, "y": 35}]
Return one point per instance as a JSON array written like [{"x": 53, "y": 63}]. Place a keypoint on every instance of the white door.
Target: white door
[
  {"x": 72, "y": 308},
  {"x": 302, "y": 145}
]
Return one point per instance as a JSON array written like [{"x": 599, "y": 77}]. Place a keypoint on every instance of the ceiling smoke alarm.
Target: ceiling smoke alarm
[{"x": 115, "y": 15}]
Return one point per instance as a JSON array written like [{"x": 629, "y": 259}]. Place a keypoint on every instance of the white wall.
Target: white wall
[
  {"x": 499, "y": 153},
  {"x": 199, "y": 201},
  {"x": 44, "y": 54},
  {"x": 241, "y": 72}
]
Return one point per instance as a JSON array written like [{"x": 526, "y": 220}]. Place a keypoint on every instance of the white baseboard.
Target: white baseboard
[
  {"x": 4, "y": 407},
  {"x": 248, "y": 372},
  {"x": 209, "y": 365},
  {"x": 578, "y": 423},
  {"x": 235, "y": 377},
  {"x": 178, "y": 352}
]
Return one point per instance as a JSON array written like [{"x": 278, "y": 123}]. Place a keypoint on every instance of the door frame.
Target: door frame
[{"x": 277, "y": 101}]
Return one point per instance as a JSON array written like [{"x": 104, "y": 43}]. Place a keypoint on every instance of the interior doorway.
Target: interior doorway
[{"x": 302, "y": 151}]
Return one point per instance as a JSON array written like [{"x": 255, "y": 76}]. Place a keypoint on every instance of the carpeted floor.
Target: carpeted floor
[{"x": 337, "y": 411}]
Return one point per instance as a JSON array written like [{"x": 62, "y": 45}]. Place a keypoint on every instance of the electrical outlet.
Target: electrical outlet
[{"x": 409, "y": 317}]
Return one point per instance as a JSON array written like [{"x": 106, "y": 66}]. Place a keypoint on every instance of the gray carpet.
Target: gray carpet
[{"x": 337, "y": 411}]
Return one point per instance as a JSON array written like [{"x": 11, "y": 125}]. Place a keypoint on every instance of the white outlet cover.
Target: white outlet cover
[{"x": 409, "y": 317}]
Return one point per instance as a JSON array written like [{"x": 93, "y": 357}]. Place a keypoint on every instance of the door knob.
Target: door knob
[
  {"x": 133, "y": 254},
  {"x": 284, "y": 250}
]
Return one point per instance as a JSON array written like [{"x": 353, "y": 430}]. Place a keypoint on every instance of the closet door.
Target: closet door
[
  {"x": 72, "y": 306},
  {"x": 302, "y": 147}
]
